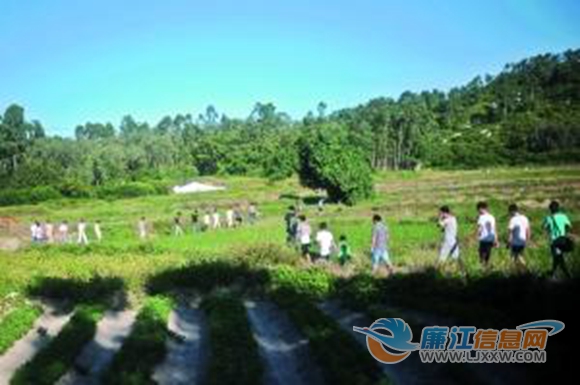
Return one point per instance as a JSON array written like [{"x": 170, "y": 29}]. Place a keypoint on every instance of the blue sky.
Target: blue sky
[{"x": 69, "y": 62}]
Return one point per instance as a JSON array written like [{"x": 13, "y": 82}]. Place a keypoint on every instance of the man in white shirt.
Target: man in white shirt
[
  {"x": 303, "y": 236},
  {"x": 230, "y": 217},
  {"x": 486, "y": 233},
  {"x": 82, "y": 238},
  {"x": 215, "y": 219},
  {"x": 206, "y": 221},
  {"x": 519, "y": 234},
  {"x": 450, "y": 243},
  {"x": 36, "y": 232},
  {"x": 325, "y": 241}
]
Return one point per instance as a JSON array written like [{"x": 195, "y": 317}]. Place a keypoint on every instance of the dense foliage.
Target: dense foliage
[
  {"x": 328, "y": 160},
  {"x": 528, "y": 113}
]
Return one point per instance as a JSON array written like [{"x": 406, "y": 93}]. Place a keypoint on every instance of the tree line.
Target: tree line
[{"x": 528, "y": 113}]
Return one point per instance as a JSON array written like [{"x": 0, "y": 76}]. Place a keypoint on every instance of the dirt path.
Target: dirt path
[
  {"x": 408, "y": 372},
  {"x": 282, "y": 347},
  {"x": 48, "y": 325},
  {"x": 112, "y": 330},
  {"x": 187, "y": 353}
]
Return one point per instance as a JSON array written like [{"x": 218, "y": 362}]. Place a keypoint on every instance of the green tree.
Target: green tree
[{"x": 327, "y": 160}]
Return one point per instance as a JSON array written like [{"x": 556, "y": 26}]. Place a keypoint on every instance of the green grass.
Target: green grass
[
  {"x": 54, "y": 360},
  {"x": 145, "y": 346},
  {"x": 234, "y": 357},
  {"x": 16, "y": 323},
  {"x": 254, "y": 258}
]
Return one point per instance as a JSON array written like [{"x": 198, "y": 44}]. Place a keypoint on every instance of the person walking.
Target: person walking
[
  {"x": 215, "y": 219},
  {"x": 379, "y": 245},
  {"x": 36, "y": 232},
  {"x": 230, "y": 217},
  {"x": 303, "y": 237},
  {"x": 486, "y": 233},
  {"x": 63, "y": 235},
  {"x": 450, "y": 242},
  {"x": 291, "y": 225},
  {"x": 558, "y": 226},
  {"x": 238, "y": 217},
  {"x": 344, "y": 253},
  {"x": 142, "y": 228},
  {"x": 519, "y": 233},
  {"x": 206, "y": 221},
  {"x": 252, "y": 213},
  {"x": 325, "y": 241},
  {"x": 49, "y": 231},
  {"x": 98, "y": 230},
  {"x": 82, "y": 238},
  {"x": 195, "y": 221},
  {"x": 177, "y": 228}
]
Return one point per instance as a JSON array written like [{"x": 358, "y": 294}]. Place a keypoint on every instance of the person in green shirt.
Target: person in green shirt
[
  {"x": 558, "y": 225},
  {"x": 344, "y": 254}
]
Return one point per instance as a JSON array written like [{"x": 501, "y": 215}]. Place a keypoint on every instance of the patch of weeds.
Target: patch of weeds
[{"x": 234, "y": 357}]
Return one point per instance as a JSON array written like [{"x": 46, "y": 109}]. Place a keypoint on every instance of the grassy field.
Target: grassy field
[{"x": 408, "y": 200}]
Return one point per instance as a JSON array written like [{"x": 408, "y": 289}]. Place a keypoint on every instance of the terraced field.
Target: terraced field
[{"x": 236, "y": 306}]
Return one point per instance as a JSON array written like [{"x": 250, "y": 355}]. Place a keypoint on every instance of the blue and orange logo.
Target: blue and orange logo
[{"x": 389, "y": 340}]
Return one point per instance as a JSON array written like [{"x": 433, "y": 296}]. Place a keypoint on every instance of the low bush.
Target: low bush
[
  {"x": 125, "y": 190},
  {"x": 234, "y": 357},
  {"x": 34, "y": 195},
  {"x": 75, "y": 190},
  {"x": 145, "y": 346},
  {"x": 313, "y": 283},
  {"x": 53, "y": 361}
]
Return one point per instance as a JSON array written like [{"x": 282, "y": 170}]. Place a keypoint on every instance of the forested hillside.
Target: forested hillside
[{"x": 528, "y": 113}]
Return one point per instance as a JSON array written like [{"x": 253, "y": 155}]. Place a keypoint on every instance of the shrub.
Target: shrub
[
  {"x": 313, "y": 282},
  {"x": 12, "y": 197},
  {"x": 75, "y": 190},
  {"x": 266, "y": 254},
  {"x": 44, "y": 193},
  {"x": 28, "y": 196},
  {"x": 126, "y": 190}
]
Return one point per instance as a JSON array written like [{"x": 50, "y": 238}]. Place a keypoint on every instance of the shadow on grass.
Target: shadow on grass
[
  {"x": 492, "y": 301},
  {"x": 100, "y": 291},
  {"x": 205, "y": 277}
]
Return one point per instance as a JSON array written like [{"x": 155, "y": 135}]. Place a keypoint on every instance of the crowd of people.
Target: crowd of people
[
  {"x": 299, "y": 234},
  {"x": 49, "y": 232},
  {"x": 234, "y": 216},
  {"x": 211, "y": 219},
  {"x": 556, "y": 224}
]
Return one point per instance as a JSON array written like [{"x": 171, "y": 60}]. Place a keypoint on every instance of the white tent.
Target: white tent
[{"x": 195, "y": 187}]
